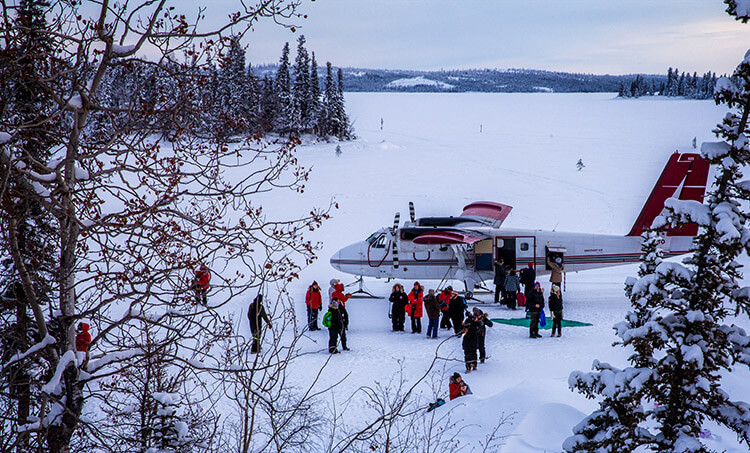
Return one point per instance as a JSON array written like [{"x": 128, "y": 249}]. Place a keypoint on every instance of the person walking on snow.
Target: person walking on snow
[
  {"x": 499, "y": 280},
  {"x": 556, "y": 308},
  {"x": 444, "y": 299},
  {"x": 470, "y": 341},
  {"x": 336, "y": 325},
  {"x": 457, "y": 387},
  {"x": 456, "y": 307},
  {"x": 536, "y": 305},
  {"x": 255, "y": 314},
  {"x": 416, "y": 302},
  {"x": 556, "y": 267},
  {"x": 400, "y": 300},
  {"x": 314, "y": 302},
  {"x": 484, "y": 321},
  {"x": 527, "y": 279},
  {"x": 432, "y": 307}
]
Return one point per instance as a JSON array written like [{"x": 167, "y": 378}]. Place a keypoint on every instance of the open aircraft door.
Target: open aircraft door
[
  {"x": 515, "y": 251},
  {"x": 553, "y": 253}
]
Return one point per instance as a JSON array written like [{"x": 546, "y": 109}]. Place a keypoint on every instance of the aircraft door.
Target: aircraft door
[
  {"x": 505, "y": 248},
  {"x": 378, "y": 249},
  {"x": 483, "y": 255}
]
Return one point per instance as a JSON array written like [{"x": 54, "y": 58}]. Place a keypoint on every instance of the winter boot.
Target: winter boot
[{"x": 468, "y": 368}]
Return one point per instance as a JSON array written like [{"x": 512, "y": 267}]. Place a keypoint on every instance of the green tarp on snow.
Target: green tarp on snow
[{"x": 524, "y": 322}]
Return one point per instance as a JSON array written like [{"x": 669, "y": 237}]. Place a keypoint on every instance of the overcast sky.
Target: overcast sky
[{"x": 592, "y": 36}]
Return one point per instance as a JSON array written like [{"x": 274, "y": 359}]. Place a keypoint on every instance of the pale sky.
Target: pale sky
[{"x": 591, "y": 36}]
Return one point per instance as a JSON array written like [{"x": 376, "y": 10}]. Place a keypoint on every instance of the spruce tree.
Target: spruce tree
[
  {"x": 283, "y": 93},
  {"x": 302, "y": 118},
  {"x": 682, "y": 343},
  {"x": 314, "y": 94}
]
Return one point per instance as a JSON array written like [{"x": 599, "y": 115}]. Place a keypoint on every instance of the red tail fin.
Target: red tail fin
[{"x": 687, "y": 173}]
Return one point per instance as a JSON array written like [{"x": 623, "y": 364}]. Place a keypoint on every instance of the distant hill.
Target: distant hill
[{"x": 480, "y": 80}]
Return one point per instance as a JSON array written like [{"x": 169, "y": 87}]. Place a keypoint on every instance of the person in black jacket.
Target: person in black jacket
[
  {"x": 484, "y": 321},
  {"x": 344, "y": 325},
  {"x": 470, "y": 332},
  {"x": 556, "y": 308},
  {"x": 400, "y": 300},
  {"x": 456, "y": 307},
  {"x": 528, "y": 277},
  {"x": 536, "y": 305},
  {"x": 255, "y": 314},
  {"x": 336, "y": 325},
  {"x": 499, "y": 280}
]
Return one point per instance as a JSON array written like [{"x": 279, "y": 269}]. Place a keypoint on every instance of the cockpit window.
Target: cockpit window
[
  {"x": 372, "y": 237},
  {"x": 381, "y": 242}
]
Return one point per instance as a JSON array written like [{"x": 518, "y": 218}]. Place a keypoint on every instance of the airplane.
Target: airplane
[{"x": 465, "y": 247}]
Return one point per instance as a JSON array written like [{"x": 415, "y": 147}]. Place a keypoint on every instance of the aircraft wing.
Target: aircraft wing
[
  {"x": 446, "y": 237},
  {"x": 487, "y": 212}
]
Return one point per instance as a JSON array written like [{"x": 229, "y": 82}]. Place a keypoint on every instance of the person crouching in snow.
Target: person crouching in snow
[
  {"x": 255, "y": 314},
  {"x": 416, "y": 302},
  {"x": 336, "y": 325},
  {"x": 201, "y": 284},
  {"x": 83, "y": 340},
  {"x": 313, "y": 300},
  {"x": 457, "y": 387}
]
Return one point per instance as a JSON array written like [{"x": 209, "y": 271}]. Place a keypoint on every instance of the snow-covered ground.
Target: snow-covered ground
[{"x": 443, "y": 151}]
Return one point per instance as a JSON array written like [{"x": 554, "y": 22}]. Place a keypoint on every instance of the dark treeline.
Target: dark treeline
[
  {"x": 228, "y": 99},
  {"x": 675, "y": 85}
]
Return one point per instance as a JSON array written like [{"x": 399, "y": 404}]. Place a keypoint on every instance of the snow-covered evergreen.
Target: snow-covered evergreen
[{"x": 679, "y": 327}]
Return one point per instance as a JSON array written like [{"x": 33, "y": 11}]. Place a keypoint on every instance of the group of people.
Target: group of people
[
  {"x": 444, "y": 310},
  {"x": 336, "y": 318}
]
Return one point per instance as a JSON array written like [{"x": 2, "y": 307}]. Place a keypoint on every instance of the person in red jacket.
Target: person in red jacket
[
  {"x": 416, "y": 302},
  {"x": 457, "y": 386},
  {"x": 444, "y": 297},
  {"x": 313, "y": 300},
  {"x": 200, "y": 284}
]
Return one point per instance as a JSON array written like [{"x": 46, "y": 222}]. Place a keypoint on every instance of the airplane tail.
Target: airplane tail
[{"x": 686, "y": 174}]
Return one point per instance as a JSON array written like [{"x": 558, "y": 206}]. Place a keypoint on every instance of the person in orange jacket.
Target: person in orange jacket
[
  {"x": 83, "y": 340},
  {"x": 416, "y": 302},
  {"x": 313, "y": 300},
  {"x": 201, "y": 285},
  {"x": 457, "y": 387},
  {"x": 444, "y": 297}
]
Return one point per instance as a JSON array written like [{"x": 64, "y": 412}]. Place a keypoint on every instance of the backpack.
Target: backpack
[
  {"x": 327, "y": 320},
  {"x": 521, "y": 299}
]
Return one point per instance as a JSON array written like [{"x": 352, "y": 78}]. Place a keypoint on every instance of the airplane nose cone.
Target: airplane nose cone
[{"x": 336, "y": 260}]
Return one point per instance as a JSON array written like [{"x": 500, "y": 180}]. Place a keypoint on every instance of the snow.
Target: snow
[
  {"x": 46, "y": 341},
  {"x": 418, "y": 81},
  {"x": 714, "y": 150},
  {"x": 76, "y": 101},
  {"x": 4, "y": 137},
  {"x": 544, "y": 428},
  {"x": 53, "y": 386}
]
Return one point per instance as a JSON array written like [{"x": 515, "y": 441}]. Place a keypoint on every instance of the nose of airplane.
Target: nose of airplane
[
  {"x": 336, "y": 261},
  {"x": 348, "y": 259}
]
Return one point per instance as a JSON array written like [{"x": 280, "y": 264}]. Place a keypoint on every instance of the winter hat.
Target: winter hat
[
  {"x": 314, "y": 283},
  {"x": 449, "y": 288},
  {"x": 558, "y": 260},
  {"x": 334, "y": 303},
  {"x": 531, "y": 264},
  {"x": 537, "y": 284},
  {"x": 476, "y": 311},
  {"x": 555, "y": 288},
  {"x": 339, "y": 287},
  {"x": 431, "y": 292},
  {"x": 83, "y": 326},
  {"x": 456, "y": 376}
]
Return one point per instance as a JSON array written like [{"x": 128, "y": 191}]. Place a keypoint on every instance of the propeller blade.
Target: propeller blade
[
  {"x": 412, "y": 215},
  {"x": 394, "y": 250}
]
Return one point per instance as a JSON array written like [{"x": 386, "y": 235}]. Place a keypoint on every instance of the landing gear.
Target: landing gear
[{"x": 361, "y": 292}]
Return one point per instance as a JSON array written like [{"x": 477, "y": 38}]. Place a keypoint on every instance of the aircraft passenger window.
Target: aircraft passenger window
[
  {"x": 500, "y": 243},
  {"x": 524, "y": 246}
]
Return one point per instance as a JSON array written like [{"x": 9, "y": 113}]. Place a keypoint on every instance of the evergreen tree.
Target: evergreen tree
[
  {"x": 677, "y": 329},
  {"x": 303, "y": 118},
  {"x": 342, "y": 120},
  {"x": 314, "y": 93},
  {"x": 283, "y": 91},
  {"x": 269, "y": 104},
  {"x": 233, "y": 90},
  {"x": 253, "y": 100},
  {"x": 668, "y": 90},
  {"x": 327, "y": 119}
]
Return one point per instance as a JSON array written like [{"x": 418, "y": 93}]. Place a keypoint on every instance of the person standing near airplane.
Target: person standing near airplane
[
  {"x": 557, "y": 267},
  {"x": 399, "y": 300},
  {"x": 432, "y": 307},
  {"x": 500, "y": 274},
  {"x": 444, "y": 298},
  {"x": 536, "y": 305},
  {"x": 528, "y": 277},
  {"x": 456, "y": 308},
  {"x": 416, "y": 301},
  {"x": 556, "y": 309},
  {"x": 512, "y": 285}
]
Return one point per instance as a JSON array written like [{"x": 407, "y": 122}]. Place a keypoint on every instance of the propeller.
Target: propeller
[
  {"x": 396, "y": 220},
  {"x": 412, "y": 216}
]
